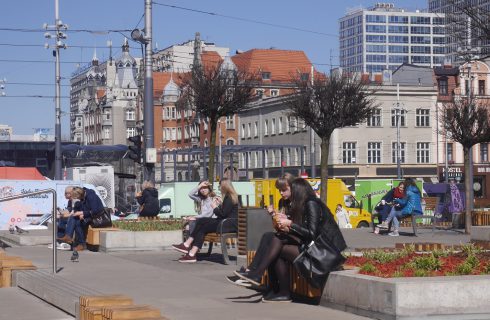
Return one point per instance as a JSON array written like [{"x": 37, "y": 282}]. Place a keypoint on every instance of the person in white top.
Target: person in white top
[
  {"x": 203, "y": 195},
  {"x": 342, "y": 217}
]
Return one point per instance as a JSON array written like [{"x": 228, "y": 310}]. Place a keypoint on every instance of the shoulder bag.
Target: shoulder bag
[
  {"x": 318, "y": 259},
  {"x": 101, "y": 219}
]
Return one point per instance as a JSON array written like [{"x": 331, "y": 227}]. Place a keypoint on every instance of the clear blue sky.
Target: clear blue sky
[{"x": 30, "y": 77}]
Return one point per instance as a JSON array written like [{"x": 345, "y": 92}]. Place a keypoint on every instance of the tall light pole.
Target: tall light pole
[
  {"x": 145, "y": 38},
  {"x": 398, "y": 123},
  {"x": 469, "y": 54},
  {"x": 312, "y": 136},
  {"x": 59, "y": 35}
]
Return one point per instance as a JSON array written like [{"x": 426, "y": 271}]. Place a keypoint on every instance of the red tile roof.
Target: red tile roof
[{"x": 283, "y": 65}]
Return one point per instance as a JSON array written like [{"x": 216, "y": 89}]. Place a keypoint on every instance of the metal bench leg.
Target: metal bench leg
[
  {"x": 224, "y": 250},
  {"x": 414, "y": 225},
  {"x": 210, "y": 248}
]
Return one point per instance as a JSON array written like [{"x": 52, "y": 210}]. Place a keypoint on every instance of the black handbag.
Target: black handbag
[
  {"x": 317, "y": 260},
  {"x": 101, "y": 219}
]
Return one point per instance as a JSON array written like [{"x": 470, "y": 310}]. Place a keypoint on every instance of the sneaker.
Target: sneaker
[
  {"x": 394, "y": 233},
  {"x": 188, "y": 259},
  {"x": 253, "y": 279},
  {"x": 277, "y": 297},
  {"x": 180, "y": 248},
  {"x": 236, "y": 280},
  {"x": 384, "y": 225},
  {"x": 376, "y": 230}
]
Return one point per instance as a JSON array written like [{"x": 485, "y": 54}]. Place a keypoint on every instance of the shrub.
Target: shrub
[
  {"x": 428, "y": 262},
  {"x": 368, "y": 268},
  {"x": 149, "y": 225},
  {"x": 421, "y": 273}
]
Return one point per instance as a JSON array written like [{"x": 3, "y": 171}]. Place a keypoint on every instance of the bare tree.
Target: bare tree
[
  {"x": 468, "y": 19},
  {"x": 213, "y": 91},
  {"x": 331, "y": 103},
  {"x": 467, "y": 122}
]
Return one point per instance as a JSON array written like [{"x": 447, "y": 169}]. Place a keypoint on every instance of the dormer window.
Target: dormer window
[
  {"x": 266, "y": 75},
  {"x": 305, "y": 76}
]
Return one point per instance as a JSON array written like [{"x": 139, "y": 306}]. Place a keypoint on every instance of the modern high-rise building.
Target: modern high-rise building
[
  {"x": 384, "y": 37},
  {"x": 457, "y": 26}
]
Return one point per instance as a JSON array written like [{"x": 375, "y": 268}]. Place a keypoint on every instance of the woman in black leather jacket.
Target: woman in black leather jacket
[{"x": 308, "y": 217}]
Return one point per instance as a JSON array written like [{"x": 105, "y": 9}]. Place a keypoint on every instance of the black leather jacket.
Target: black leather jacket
[{"x": 317, "y": 218}]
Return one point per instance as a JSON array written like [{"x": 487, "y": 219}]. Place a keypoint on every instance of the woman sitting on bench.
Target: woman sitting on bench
[
  {"x": 203, "y": 195},
  {"x": 309, "y": 216},
  {"x": 227, "y": 209},
  {"x": 410, "y": 205}
]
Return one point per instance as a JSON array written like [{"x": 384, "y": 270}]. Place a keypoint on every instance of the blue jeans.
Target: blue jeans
[
  {"x": 75, "y": 225},
  {"x": 61, "y": 227},
  {"x": 394, "y": 215}
]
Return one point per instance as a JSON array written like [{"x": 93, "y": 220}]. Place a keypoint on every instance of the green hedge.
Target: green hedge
[{"x": 150, "y": 225}]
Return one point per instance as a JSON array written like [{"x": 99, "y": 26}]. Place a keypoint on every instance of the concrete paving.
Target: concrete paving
[
  {"x": 190, "y": 291},
  {"x": 18, "y": 304}
]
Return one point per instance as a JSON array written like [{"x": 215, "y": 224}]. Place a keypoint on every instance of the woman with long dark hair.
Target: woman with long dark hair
[
  {"x": 227, "y": 209},
  {"x": 308, "y": 217}
]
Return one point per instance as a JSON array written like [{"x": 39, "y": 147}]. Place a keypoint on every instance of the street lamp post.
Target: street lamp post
[
  {"x": 145, "y": 38},
  {"x": 59, "y": 35}
]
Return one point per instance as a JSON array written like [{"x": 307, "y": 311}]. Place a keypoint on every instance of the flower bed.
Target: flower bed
[
  {"x": 148, "y": 225},
  {"x": 470, "y": 260}
]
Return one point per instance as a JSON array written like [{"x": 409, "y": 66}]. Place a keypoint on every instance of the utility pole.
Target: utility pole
[
  {"x": 312, "y": 136},
  {"x": 469, "y": 54},
  {"x": 59, "y": 35},
  {"x": 145, "y": 38},
  {"x": 398, "y": 144}
]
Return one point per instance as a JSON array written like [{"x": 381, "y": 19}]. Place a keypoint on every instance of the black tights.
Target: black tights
[{"x": 282, "y": 249}]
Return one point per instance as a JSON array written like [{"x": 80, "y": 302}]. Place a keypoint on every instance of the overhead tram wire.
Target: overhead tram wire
[{"x": 247, "y": 20}]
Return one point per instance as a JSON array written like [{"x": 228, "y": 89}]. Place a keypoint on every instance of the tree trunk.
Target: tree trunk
[
  {"x": 212, "y": 151},
  {"x": 467, "y": 186},
  {"x": 325, "y": 146}
]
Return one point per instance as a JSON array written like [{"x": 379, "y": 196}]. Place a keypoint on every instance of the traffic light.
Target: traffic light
[{"x": 135, "y": 150}]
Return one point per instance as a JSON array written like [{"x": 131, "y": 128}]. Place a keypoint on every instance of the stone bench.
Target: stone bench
[{"x": 93, "y": 237}]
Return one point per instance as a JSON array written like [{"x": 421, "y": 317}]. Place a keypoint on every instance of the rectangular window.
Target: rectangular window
[
  {"x": 420, "y": 40},
  {"x": 397, "y": 29},
  {"x": 423, "y": 152},
  {"x": 394, "y": 154},
  {"x": 439, "y": 50},
  {"x": 130, "y": 132},
  {"x": 274, "y": 92},
  {"x": 374, "y": 152},
  {"x": 375, "y": 48},
  {"x": 279, "y": 126},
  {"x": 273, "y": 127},
  {"x": 173, "y": 113},
  {"x": 398, "y": 39},
  {"x": 402, "y": 116},
  {"x": 439, "y": 40},
  {"x": 422, "y": 117},
  {"x": 484, "y": 152},
  {"x": 266, "y": 127},
  {"x": 420, "y": 20},
  {"x": 375, "y": 18},
  {"x": 130, "y": 115},
  {"x": 398, "y": 49},
  {"x": 243, "y": 131},
  {"x": 438, "y": 30},
  {"x": 375, "y": 58},
  {"x": 230, "y": 122},
  {"x": 438, "y": 21},
  {"x": 443, "y": 87},
  {"x": 256, "y": 129},
  {"x": 107, "y": 133},
  {"x": 249, "y": 130},
  {"x": 349, "y": 152},
  {"x": 420, "y": 59},
  {"x": 398, "y": 19},
  {"x": 420, "y": 30},
  {"x": 481, "y": 87},
  {"x": 288, "y": 124},
  {"x": 421, "y": 49},
  {"x": 450, "y": 152},
  {"x": 375, "y": 119},
  {"x": 266, "y": 75},
  {"x": 398, "y": 59},
  {"x": 179, "y": 133},
  {"x": 375, "y": 38},
  {"x": 375, "y": 28}
]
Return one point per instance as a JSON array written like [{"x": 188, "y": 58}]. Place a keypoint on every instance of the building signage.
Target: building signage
[
  {"x": 455, "y": 173},
  {"x": 4, "y": 135}
]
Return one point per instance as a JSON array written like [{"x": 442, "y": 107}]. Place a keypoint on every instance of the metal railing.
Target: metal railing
[{"x": 52, "y": 191}]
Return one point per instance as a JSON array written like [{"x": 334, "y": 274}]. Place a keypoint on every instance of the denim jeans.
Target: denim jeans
[
  {"x": 75, "y": 225},
  {"x": 394, "y": 215},
  {"x": 61, "y": 227}
]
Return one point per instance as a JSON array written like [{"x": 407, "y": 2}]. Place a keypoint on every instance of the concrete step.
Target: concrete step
[
  {"x": 31, "y": 238},
  {"x": 53, "y": 289}
]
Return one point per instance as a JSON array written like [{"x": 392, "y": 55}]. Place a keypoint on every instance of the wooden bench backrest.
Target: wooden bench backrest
[{"x": 431, "y": 203}]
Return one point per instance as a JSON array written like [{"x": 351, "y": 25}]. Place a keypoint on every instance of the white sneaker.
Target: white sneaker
[
  {"x": 60, "y": 246},
  {"x": 383, "y": 225},
  {"x": 394, "y": 233},
  {"x": 376, "y": 230}
]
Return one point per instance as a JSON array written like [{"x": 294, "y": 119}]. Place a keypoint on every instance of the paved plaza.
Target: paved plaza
[{"x": 182, "y": 291}]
